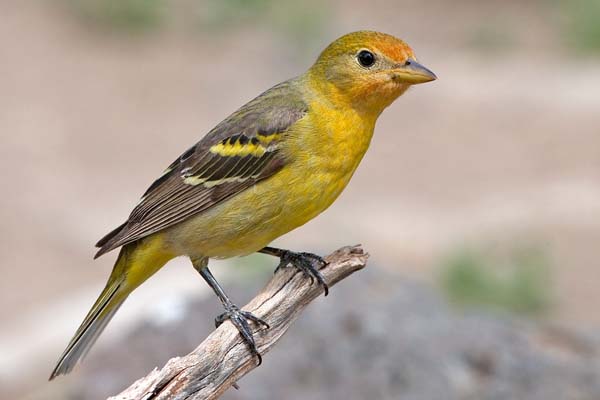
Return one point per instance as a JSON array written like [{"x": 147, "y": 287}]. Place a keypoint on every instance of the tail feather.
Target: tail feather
[
  {"x": 92, "y": 326},
  {"x": 136, "y": 263},
  {"x": 105, "y": 243},
  {"x": 98, "y": 330}
]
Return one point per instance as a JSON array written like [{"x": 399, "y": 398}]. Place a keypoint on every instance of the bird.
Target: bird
[{"x": 268, "y": 168}]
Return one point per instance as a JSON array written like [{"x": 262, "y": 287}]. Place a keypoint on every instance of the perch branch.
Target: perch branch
[{"x": 222, "y": 359}]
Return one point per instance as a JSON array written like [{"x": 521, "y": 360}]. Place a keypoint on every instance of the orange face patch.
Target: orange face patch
[
  {"x": 391, "y": 47},
  {"x": 339, "y": 72},
  {"x": 388, "y": 45}
]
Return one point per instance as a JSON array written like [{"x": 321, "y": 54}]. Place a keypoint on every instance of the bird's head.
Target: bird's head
[{"x": 368, "y": 70}]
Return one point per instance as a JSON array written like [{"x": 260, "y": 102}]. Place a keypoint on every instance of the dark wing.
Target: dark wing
[{"x": 239, "y": 152}]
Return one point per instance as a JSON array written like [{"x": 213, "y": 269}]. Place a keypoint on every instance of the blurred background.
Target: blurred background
[{"x": 484, "y": 269}]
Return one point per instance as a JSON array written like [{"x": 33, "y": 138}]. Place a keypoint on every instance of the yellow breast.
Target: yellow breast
[
  {"x": 323, "y": 150},
  {"x": 326, "y": 149}
]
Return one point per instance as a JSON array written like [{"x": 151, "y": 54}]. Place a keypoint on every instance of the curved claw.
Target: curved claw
[
  {"x": 305, "y": 263},
  {"x": 317, "y": 258},
  {"x": 239, "y": 319},
  {"x": 251, "y": 317}
]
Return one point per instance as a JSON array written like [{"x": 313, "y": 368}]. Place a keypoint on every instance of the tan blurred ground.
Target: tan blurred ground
[{"x": 504, "y": 149}]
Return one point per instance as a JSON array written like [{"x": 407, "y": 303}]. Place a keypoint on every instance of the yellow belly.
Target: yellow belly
[
  {"x": 323, "y": 156},
  {"x": 251, "y": 220}
]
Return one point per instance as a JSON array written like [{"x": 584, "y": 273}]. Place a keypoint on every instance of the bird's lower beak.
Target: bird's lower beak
[{"x": 412, "y": 72}]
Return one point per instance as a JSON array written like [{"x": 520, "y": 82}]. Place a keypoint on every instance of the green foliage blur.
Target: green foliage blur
[
  {"x": 583, "y": 25},
  {"x": 304, "y": 22},
  {"x": 521, "y": 283},
  {"x": 298, "y": 21},
  {"x": 121, "y": 15},
  {"x": 294, "y": 18}
]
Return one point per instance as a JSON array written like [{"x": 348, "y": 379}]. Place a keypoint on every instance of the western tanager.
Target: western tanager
[{"x": 268, "y": 168}]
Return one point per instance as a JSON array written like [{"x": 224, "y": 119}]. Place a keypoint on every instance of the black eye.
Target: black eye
[{"x": 366, "y": 58}]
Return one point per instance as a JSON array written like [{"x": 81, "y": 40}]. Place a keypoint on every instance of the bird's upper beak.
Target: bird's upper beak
[{"x": 412, "y": 72}]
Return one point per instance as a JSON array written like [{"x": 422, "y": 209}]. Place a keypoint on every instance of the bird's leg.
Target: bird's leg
[
  {"x": 308, "y": 263},
  {"x": 239, "y": 318}
]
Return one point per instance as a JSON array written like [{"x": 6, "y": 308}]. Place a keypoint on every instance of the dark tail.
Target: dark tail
[{"x": 94, "y": 323}]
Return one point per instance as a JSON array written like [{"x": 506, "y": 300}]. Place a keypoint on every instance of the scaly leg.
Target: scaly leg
[{"x": 238, "y": 318}]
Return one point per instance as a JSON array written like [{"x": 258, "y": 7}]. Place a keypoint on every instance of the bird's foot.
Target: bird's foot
[
  {"x": 239, "y": 319},
  {"x": 308, "y": 263}
]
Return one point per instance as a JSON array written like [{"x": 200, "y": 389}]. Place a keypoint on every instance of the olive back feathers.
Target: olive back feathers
[{"x": 239, "y": 152}]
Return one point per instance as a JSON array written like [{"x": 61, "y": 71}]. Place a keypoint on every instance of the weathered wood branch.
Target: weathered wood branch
[{"x": 222, "y": 359}]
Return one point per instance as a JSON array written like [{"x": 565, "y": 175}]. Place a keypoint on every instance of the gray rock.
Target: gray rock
[{"x": 377, "y": 337}]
